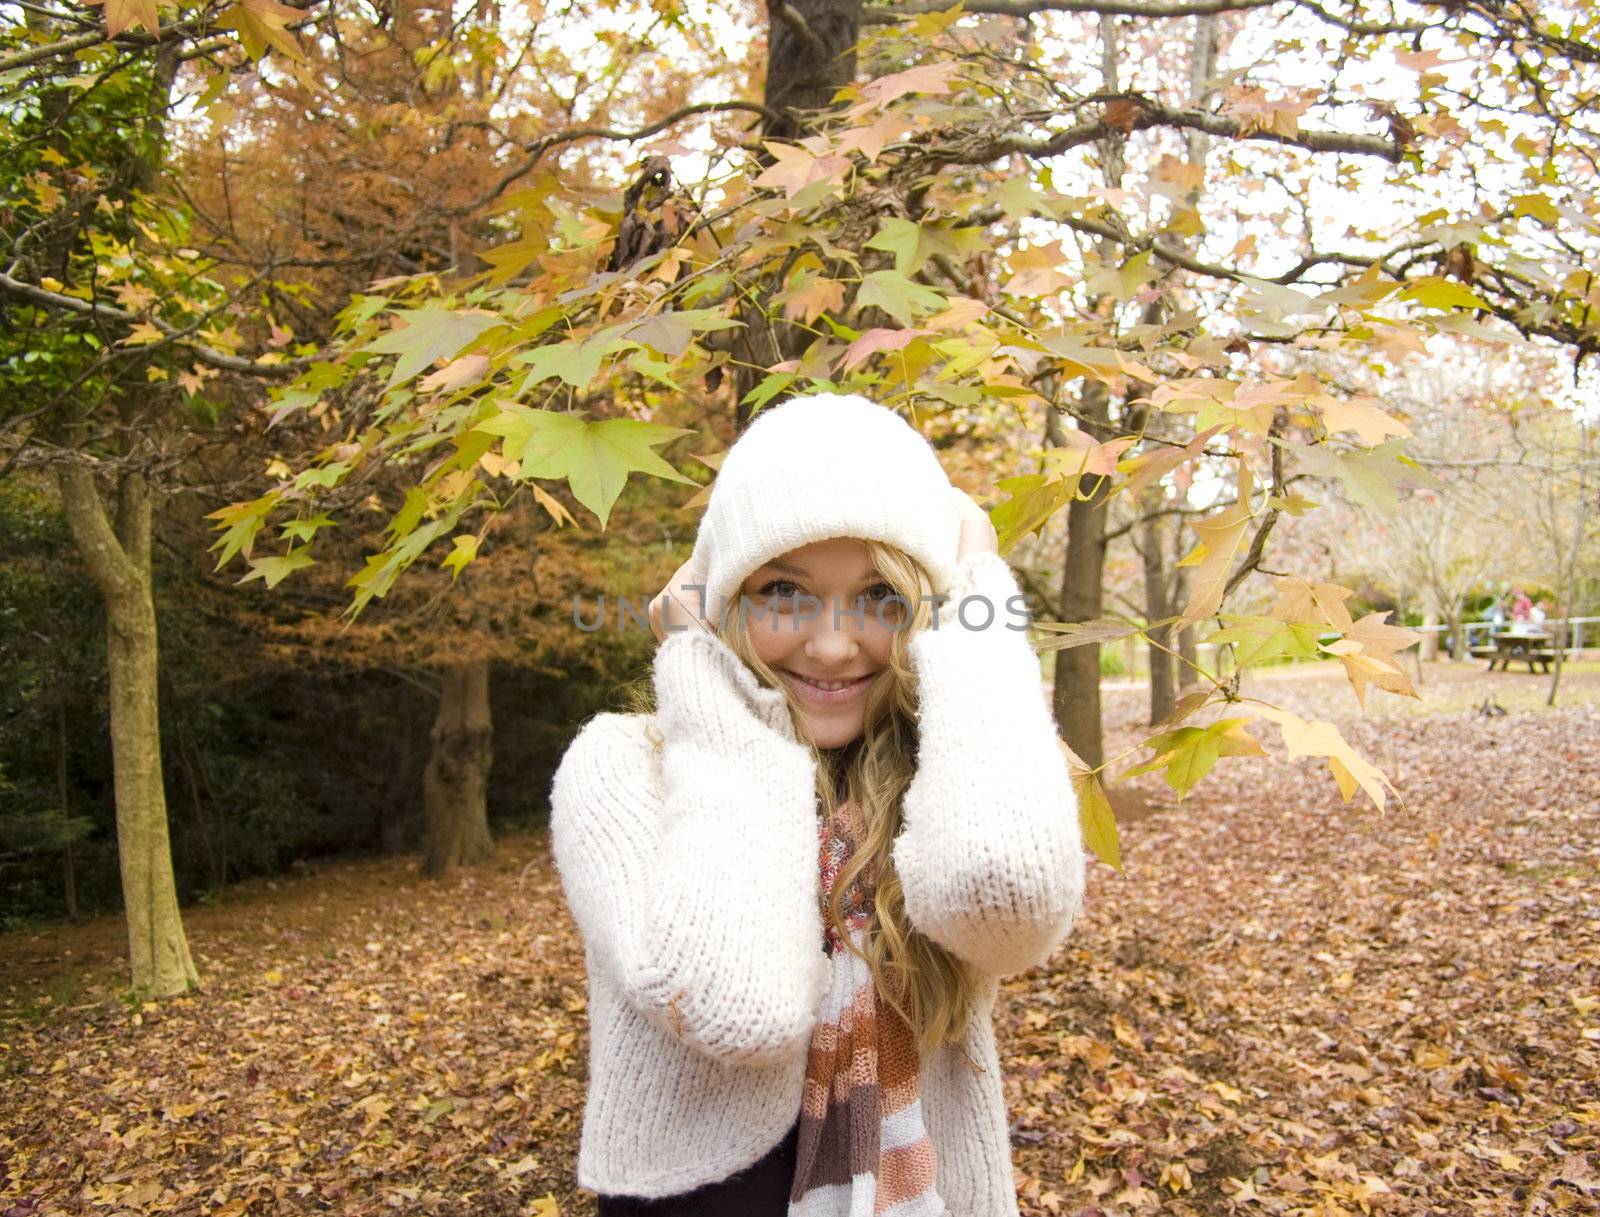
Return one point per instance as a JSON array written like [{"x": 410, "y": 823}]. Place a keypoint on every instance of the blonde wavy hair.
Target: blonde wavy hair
[{"x": 932, "y": 989}]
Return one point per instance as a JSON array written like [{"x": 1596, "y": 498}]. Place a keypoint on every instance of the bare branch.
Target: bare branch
[
  {"x": 889, "y": 14},
  {"x": 104, "y": 312}
]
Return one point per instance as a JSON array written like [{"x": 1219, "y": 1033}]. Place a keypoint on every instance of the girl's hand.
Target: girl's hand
[
  {"x": 977, "y": 530},
  {"x": 679, "y": 606}
]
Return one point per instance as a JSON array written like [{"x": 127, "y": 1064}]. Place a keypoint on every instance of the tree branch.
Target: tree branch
[
  {"x": 104, "y": 312},
  {"x": 889, "y": 14}
]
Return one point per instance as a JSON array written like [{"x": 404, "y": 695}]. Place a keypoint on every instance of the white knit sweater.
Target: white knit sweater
[{"x": 692, "y": 873}]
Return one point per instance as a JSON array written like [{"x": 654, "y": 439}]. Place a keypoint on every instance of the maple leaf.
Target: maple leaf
[
  {"x": 1080, "y": 455},
  {"x": 1318, "y": 738},
  {"x": 1220, "y": 538},
  {"x": 430, "y": 333},
  {"x": 897, "y": 295},
  {"x": 1361, "y": 415},
  {"x": 814, "y": 297},
  {"x": 454, "y": 374},
  {"x": 1038, "y": 271},
  {"x": 594, "y": 457},
  {"x": 924, "y": 78},
  {"x": 1097, "y": 824},
  {"x": 869, "y": 140},
  {"x": 143, "y": 334},
  {"x": 1321, "y": 603},
  {"x": 261, "y": 24},
  {"x": 126, "y": 14},
  {"x": 963, "y": 311},
  {"x": 873, "y": 341},
  {"x": 1156, "y": 463},
  {"x": 1368, "y": 648},
  {"x": 794, "y": 168}
]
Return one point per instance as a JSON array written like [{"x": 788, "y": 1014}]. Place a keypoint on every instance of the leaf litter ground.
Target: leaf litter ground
[{"x": 1286, "y": 1006}]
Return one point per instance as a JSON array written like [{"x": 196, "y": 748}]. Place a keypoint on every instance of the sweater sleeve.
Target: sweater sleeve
[
  {"x": 990, "y": 856},
  {"x": 693, "y": 876}
]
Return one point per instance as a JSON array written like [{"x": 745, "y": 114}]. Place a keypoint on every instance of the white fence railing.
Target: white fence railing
[{"x": 1478, "y": 633}]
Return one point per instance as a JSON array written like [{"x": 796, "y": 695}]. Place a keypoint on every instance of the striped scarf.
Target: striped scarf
[{"x": 863, "y": 1148}]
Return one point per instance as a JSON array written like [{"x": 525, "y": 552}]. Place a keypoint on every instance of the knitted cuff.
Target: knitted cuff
[
  {"x": 704, "y": 690},
  {"x": 983, "y": 599}
]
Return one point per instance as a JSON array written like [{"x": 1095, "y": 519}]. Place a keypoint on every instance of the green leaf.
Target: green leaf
[
  {"x": 304, "y": 530},
  {"x": 466, "y": 549},
  {"x": 1372, "y": 477},
  {"x": 771, "y": 385},
  {"x": 1034, "y": 499},
  {"x": 1189, "y": 753},
  {"x": 1258, "y": 639},
  {"x": 241, "y": 522},
  {"x": 430, "y": 333},
  {"x": 594, "y": 457},
  {"x": 273, "y": 570},
  {"x": 1097, "y": 824},
  {"x": 913, "y": 244},
  {"x": 897, "y": 295},
  {"x": 1437, "y": 293}
]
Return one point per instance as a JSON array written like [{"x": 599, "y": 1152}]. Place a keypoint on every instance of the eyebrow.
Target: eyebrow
[{"x": 789, "y": 568}]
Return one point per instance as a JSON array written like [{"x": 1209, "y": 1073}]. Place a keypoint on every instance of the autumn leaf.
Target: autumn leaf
[
  {"x": 962, "y": 312},
  {"x": 1368, "y": 649},
  {"x": 1317, "y": 738},
  {"x": 1221, "y": 536},
  {"x": 874, "y": 341},
  {"x": 1081, "y": 456},
  {"x": 870, "y": 139},
  {"x": 1157, "y": 461},
  {"x": 123, "y": 15},
  {"x": 1370, "y": 476},
  {"x": 425, "y": 335},
  {"x": 811, "y": 298},
  {"x": 794, "y": 168},
  {"x": 455, "y": 374},
  {"x": 1361, "y": 415},
  {"x": 143, "y": 334},
  {"x": 261, "y": 24},
  {"x": 924, "y": 78},
  {"x": 1034, "y": 498},
  {"x": 1323, "y": 603}
]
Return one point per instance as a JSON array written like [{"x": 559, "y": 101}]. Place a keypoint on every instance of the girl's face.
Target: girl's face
[{"x": 824, "y": 620}]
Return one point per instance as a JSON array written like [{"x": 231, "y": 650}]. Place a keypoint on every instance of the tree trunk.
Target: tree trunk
[
  {"x": 1188, "y": 650},
  {"x": 69, "y": 876},
  {"x": 455, "y": 809},
  {"x": 810, "y": 54},
  {"x": 119, "y": 562},
  {"x": 1157, "y": 606},
  {"x": 1428, "y": 650},
  {"x": 1077, "y": 673}
]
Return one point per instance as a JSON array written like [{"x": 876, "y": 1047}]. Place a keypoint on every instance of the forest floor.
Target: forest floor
[{"x": 1284, "y": 1005}]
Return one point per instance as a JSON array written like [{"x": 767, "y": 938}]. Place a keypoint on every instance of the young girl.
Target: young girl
[{"x": 800, "y": 878}]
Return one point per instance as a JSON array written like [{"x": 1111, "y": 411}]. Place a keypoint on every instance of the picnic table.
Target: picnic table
[{"x": 1530, "y": 645}]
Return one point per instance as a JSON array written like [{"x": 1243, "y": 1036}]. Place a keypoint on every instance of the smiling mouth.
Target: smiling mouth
[{"x": 826, "y": 692}]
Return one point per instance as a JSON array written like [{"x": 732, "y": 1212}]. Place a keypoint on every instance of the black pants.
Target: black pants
[{"x": 759, "y": 1190}]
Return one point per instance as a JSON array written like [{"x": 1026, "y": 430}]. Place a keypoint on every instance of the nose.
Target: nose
[{"x": 830, "y": 645}]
